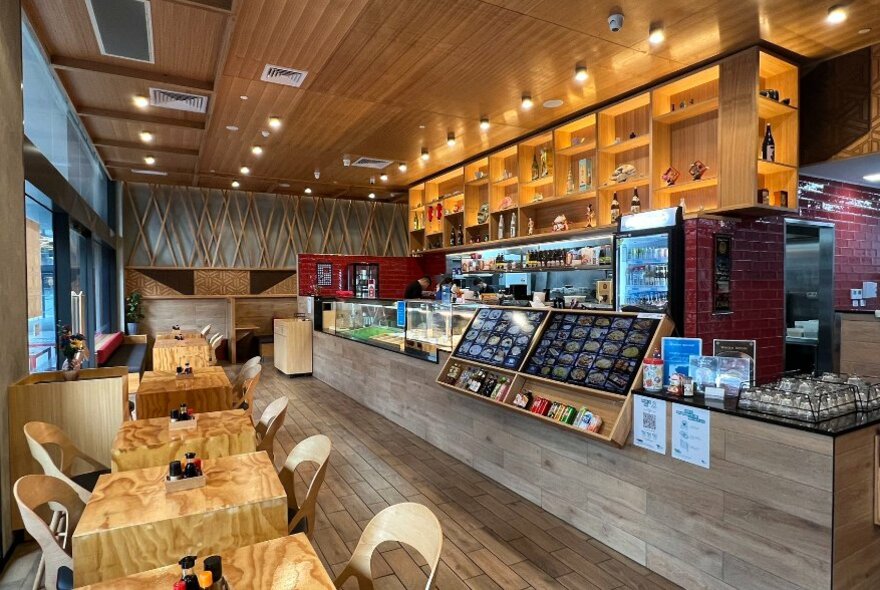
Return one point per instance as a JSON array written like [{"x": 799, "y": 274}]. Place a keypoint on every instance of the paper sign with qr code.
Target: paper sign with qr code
[{"x": 649, "y": 423}]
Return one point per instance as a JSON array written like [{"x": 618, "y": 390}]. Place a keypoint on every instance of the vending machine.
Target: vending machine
[
  {"x": 363, "y": 280},
  {"x": 649, "y": 263}
]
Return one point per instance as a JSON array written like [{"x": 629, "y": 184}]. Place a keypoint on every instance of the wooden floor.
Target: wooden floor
[{"x": 492, "y": 537}]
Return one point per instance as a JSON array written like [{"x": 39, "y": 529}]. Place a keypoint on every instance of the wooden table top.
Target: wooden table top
[
  {"x": 203, "y": 377},
  {"x": 137, "y": 498},
  {"x": 187, "y": 334},
  {"x": 154, "y": 432},
  {"x": 288, "y": 563},
  {"x": 198, "y": 340}
]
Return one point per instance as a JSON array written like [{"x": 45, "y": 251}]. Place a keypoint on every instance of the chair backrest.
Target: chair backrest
[
  {"x": 204, "y": 331},
  {"x": 271, "y": 420},
  {"x": 42, "y": 435},
  {"x": 215, "y": 341},
  {"x": 245, "y": 383},
  {"x": 34, "y": 491},
  {"x": 409, "y": 523},
  {"x": 315, "y": 449},
  {"x": 239, "y": 378}
]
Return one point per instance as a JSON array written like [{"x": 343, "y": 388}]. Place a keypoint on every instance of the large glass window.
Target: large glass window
[{"x": 40, "y": 285}]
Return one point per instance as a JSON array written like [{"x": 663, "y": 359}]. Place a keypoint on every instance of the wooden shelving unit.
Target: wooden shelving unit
[{"x": 716, "y": 115}]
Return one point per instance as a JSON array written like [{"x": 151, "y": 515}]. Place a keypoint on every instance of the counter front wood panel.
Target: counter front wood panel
[
  {"x": 761, "y": 517},
  {"x": 151, "y": 443},
  {"x": 208, "y": 390},
  {"x": 168, "y": 353},
  {"x": 860, "y": 344},
  {"x": 131, "y": 525}
]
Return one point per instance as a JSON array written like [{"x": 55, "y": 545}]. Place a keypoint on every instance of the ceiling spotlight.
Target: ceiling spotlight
[
  {"x": 146, "y": 136},
  {"x": 308, "y": 191},
  {"x": 257, "y": 150},
  {"x": 284, "y": 185},
  {"x": 235, "y": 184},
  {"x": 656, "y": 35},
  {"x": 149, "y": 160},
  {"x": 484, "y": 123},
  {"x": 580, "y": 73},
  {"x": 425, "y": 154},
  {"x": 527, "y": 102},
  {"x": 372, "y": 180},
  {"x": 245, "y": 170},
  {"x": 243, "y": 97},
  {"x": 401, "y": 167},
  {"x": 140, "y": 102},
  {"x": 317, "y": 174},
  {"x": 275, "y": 122},
  {"x": 265, "y": 133},
  {"x": 383, "y": 177},
  {"x": 872, "y": 177},
  {"x": 836, "y": 14},
  {"x": 372, "y": 195},
  {"x": 450, "y": 139},
  {"x": 232, "y": 127}
]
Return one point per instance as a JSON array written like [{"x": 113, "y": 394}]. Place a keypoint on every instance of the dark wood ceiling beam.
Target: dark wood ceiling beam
[
  {"x": 215, "y": 5},
  {"x": 138, "y": 118},
  {"x": 83, "y": 65},
  {"x": 144, "y": 147}
]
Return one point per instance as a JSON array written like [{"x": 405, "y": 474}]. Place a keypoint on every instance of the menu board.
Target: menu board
[
  {"x": 499, "y": 337},
  {"x": 591, "y": 350}
]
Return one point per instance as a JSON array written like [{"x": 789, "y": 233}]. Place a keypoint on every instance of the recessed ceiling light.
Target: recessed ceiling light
[
  {"x": 149, "y": 160},
  {"x": 552, "y": 103},
  {"x": 656, "y": 35},
  {"x": 265, "y": 133},
  {"x": 284, "y": 185},
  {"x": 372, "y": 195},
  {"x": 425, "y": 154},
  {"x": 245, "y": 170},
  {"x": 421, "y": 126},
  {"x": 450, "y": 139},
  {"x": 257, "y": 150},
  {"x": 146, "y": 136},
  {"x": 308, "y": 191},
  {"x": 401, "y": 167},
  {"x": 527, "y": 102},
  {"x": 274, "y": 122},
  {"x": 140, "y": 102},
  {"x": 872, "y": 177},
  {"x": 235, "y": 184},
  {"x": 243, "y": 97},
  {"x": 213, "y": 171},
  {"x": 836, "y": 14},
  {"x": 864, "y": 31},
  {"x": 580, "y": 73},
  {"x": 484, "y": 123},
  {"x": 383, "y": 177},
  {"x": 232, "y": 127}
]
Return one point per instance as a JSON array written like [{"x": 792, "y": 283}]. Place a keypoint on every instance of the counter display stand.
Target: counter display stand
[{"x": 574, "y": 359}]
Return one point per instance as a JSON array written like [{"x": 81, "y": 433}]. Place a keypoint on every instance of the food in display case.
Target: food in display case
[
  {"x": 500, "y": 337},
  {"x": 436, "y": 323},
  {"x": 601, "y": 352}
]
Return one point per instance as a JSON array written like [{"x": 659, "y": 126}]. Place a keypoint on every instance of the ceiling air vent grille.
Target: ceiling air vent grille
[
  {"x": 178, "y": 101},
  {"x": 284, "y": 76},
  {"x": 376, "y": 163}
]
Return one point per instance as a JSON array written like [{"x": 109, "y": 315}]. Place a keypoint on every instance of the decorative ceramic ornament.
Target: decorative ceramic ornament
[
  {"x": 560, "y": 223},
  {"x": 697, "y": 170},
  {"x": 506, "y": 203},
  {"x": 623, "y": 173},
  {"x": 591, "y": 216},
  {"x": 531, "y": 226},
  {"x": 483, "y": 213},
  {"x": 670, "y": 176}
]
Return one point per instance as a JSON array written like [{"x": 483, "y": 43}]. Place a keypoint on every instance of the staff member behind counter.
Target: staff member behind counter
[
  {"x": 416, "y": 289},
  {"x": 481, "y": 287}
]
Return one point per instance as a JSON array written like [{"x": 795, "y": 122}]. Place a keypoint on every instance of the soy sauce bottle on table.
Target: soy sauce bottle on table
[
  {"x": 214, "y": 564},
  {"x": 188, "y": 575}
]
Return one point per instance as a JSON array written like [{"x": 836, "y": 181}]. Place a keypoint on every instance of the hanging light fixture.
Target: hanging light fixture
[
  {"x": 580, "y": 73},
  {"x": 425, "y": 155},
  {"x": 527, "y": 102}
]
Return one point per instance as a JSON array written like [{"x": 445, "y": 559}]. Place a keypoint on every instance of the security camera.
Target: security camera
[
  {"x": 615, "y": 22},
  {"x": 346, "y": 161},
  {"x": 317, "y": 174}
]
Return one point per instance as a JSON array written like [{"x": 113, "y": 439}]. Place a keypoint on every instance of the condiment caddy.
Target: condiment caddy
[
  {"x": 210, "y": 579},
  {"x": 182, "y": 477},
  {"x": 184, "y": 418}
]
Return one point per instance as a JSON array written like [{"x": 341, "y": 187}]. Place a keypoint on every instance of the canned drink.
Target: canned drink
[{"x": 568, "y": 415}]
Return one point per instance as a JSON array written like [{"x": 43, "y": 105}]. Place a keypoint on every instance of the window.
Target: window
[{"x": 40, "y": 284}]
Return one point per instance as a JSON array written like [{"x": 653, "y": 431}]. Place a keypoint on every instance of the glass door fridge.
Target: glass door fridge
[
  {"x": 649, "y": 263},
  {"x": 363, "y": 280}
]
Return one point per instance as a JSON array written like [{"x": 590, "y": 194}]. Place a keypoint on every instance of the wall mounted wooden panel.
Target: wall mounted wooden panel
[
  {"x": 184, "y": 227},
  {"x": 870, "y": 141}
]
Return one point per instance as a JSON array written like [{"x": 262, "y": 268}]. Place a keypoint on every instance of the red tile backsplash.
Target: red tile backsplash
[{"x": 395, "y": 272}]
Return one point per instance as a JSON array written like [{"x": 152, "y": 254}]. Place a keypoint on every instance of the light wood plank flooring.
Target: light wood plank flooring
[{"x": 493, "y": 538}]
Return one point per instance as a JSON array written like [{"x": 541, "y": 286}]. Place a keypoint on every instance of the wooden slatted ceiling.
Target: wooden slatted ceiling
[{"x": 387, "y": 77}]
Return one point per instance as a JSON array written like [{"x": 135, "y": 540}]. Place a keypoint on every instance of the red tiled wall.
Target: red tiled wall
[
  {"x": 395, "y": 272},
  {"x": 756, "y": 288},
  {"x": 855, "y": 212}
]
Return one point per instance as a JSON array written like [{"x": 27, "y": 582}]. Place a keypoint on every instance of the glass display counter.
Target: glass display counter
[{"x": 436, "y": 323}]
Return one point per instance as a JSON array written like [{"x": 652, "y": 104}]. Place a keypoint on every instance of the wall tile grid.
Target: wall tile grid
[{"x": 395, "y": 273}]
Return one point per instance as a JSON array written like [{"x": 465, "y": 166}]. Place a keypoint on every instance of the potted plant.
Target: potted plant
[
  {"x": 73, "y": 348},
  {"x": 133, "y": 313}
]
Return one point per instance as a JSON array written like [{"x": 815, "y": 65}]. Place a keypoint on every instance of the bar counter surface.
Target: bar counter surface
[{"x": 779, "y": 507}]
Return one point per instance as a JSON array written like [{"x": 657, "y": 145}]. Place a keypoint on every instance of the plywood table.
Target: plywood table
[
  {"x": 131, "y": 525},
  {"x": 168, "y": 353},
  {"x": 187, "y": 335},
  {"x": 151, "y": 443},
  {"x": 208, "y": 390},
  {"x": 289, "y": 563}
]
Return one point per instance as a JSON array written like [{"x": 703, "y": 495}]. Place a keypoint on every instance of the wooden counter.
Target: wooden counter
[
  {"x": 131, "y": 525},
  {"x": 208, "y": 390},
  {"x": 187, "y": 335},
  {"x": 288, "y": 563},
  {"x": 767, "y": 514},
  {"x": 168, "y": 353},
  {"x": 859, "y": 343},
  {"x": 151, "y": 443}
]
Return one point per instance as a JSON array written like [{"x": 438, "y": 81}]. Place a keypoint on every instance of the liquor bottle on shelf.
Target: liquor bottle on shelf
[
  {"x": 460, "y": 236},
  {"x": 513, "y": 225},
  {"x": 452, "y": 237},
  {"x": 501, "y": 226},
  {"x": 535, "y": 168},
  {"x": 569, "y": 183},
  {"x": 415, "y": 220},
  {"x": 615, "y": 208},
  {"x": 635, "y": 204},
  {"x": 768, "y": 147}
]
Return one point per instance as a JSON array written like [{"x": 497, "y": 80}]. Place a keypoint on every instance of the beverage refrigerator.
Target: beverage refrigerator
[
  {"x": 649, "y": 263},
  {"x": 363, "y": 280}
]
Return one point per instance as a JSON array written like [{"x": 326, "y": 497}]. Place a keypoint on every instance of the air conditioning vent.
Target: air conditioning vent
[
  {"x": 178, "y": 101},
  {"x": 375, "y": 163},
  {"x": 283, "y": 76},
  {"x": 123, "y": 28}
]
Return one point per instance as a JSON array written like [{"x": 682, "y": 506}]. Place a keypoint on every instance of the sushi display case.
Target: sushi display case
[{"x": 573, "y": 368}]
